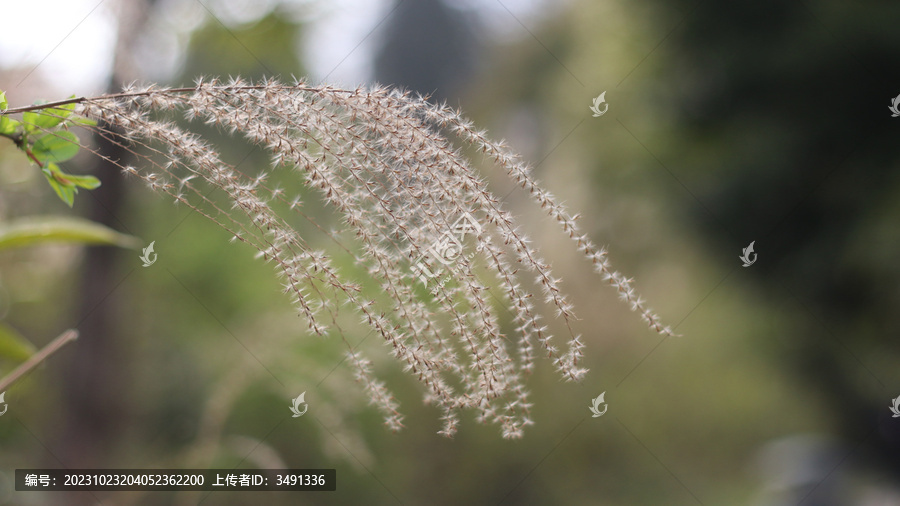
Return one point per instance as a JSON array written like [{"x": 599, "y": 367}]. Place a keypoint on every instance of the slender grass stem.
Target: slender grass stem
[{"x": 37, "y": 358}]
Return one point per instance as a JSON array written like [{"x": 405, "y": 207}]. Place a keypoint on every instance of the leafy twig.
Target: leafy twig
[{"x": 44, "y": 138}]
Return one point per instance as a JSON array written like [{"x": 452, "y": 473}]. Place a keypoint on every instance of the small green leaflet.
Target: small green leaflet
[{"x": 55, "y": 147}]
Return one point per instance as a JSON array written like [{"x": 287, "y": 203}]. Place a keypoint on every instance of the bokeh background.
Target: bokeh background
[{"x": 728, "y": 122}]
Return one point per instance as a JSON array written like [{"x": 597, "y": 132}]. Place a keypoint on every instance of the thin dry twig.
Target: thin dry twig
[{"x": 37, "y": 358}]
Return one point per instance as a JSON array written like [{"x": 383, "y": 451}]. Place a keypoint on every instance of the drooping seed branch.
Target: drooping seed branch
[{"x": 417, "y": 218}]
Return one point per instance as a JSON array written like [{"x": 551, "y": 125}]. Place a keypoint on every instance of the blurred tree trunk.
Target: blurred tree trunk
[
  {"x": 428, "y": 47},
  {"x": 95, "y": 377}
]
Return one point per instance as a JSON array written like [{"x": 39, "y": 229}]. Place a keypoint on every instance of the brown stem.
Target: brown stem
[
  {"x": 19, "y": 141},
  {"x": 79, "y": 100},
  {"x": 34, "y": 158},
  {"x": 37, "y": 358}
]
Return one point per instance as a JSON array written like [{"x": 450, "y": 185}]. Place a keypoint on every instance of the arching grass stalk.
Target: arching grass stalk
[{"x": 424, "y": 227}]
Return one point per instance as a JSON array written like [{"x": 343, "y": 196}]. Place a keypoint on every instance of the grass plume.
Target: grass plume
[{"x": 423, "y": 225}]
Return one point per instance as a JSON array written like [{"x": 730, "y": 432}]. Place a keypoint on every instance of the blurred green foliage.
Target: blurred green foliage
[{"x": 717, "y": 131}]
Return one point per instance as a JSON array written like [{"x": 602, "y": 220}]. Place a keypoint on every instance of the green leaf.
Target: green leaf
[
  {"x": 87, "y": 182},
  {"x": 81, "y": 120},
  {"x": 66, "y": 185},
  {"x": 65, "y": 192},
  {"x": 55, "y": 147},
  {"x": 32, "y": 119},
  {"x": 39, "y": 229},
  {"x": 8, "y": 125},
  {"x": 14, "y": 346},
  {"x": 62, "y": 112},
  {"x": 44, "y": 119}
]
